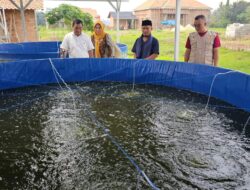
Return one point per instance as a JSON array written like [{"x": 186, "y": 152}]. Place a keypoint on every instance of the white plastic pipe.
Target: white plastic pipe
[
  {"x": 22, "y": 10},
  {"x": 117, "y": 26},
  {"x": 118, "y": 9},
  {"x": 177, "y": 30}
]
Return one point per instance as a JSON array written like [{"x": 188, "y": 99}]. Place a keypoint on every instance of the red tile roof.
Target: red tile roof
[
  {"x": 92, "y": 12},
  {"x": 170, "y": 4},
  {"x": 35, "y": 4}
]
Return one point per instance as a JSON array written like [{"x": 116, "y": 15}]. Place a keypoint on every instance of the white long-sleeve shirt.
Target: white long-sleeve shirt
[{"x": 77, "y": 46}]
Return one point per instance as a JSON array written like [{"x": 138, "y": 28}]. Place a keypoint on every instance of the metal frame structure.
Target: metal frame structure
[
  {"x": 21, "y": 7},
  {"x": 3, "y": 26},
  {"x": 117, "y": 9},
  {"x": 177, "y": 30}
]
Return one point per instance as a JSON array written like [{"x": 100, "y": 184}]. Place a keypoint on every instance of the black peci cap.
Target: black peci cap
[{"x": 146, "y": 23}]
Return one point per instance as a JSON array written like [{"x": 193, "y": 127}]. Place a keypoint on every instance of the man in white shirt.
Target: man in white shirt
[{"x": 76, "y": 43}]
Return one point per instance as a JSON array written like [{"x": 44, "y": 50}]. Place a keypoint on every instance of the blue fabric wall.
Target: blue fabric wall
[
  {"x": 38, "y": 50},
  {"x": 233, "y": 88}
]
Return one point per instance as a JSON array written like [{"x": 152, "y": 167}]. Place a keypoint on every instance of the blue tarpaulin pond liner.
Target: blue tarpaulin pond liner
[
  {"x": 230, "y": 86},
  {"x": 38, "y": 50},
  {"x": 29, "y": 50},
  {"x": 124, "y": 50},
  {"x": 168, "y": 22}
]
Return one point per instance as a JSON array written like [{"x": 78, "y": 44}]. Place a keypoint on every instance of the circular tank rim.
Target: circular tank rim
[
  {"x": 230, "y": 86},
  {"x": 36, "y": 50}
]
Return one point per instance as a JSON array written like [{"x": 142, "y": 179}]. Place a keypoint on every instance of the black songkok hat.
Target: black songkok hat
[{"x": 146, "y": 23}]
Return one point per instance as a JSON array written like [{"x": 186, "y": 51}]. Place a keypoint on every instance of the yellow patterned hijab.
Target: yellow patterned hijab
[{"x": 98, "y": 38}]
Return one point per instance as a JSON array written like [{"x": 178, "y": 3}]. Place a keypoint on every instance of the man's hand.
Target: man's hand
[
  {"x": 63, "y": 53},
  {"x": 187, "y": 55},
  {"x": 152, "y": 57},
  {"x": 91, "y": 53},
  {"x": 134, "y": 56},
  {"x": 216, "y": 56}
]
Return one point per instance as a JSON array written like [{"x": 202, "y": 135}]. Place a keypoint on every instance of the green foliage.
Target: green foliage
[
  {"x": 236, "y": 9},
  {"x": 88, "y": 21},
  {"x": 238, "y": 12},
  {"x": 245, "y": 16},
  {"x": 220, "y": 17},
  {"x": 68, "y": 13}
]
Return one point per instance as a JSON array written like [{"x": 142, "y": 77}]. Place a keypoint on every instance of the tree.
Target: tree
[
  {"x": 237, "y": 12},
  {"x": 236, "y": 9},
  {"x": 68, "y": 13},
  {"x": 220, "y": 17},
  {"x": 245, "y": 16}
]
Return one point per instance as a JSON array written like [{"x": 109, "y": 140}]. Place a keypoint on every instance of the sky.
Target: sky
[{"x": 103, "y": 8}]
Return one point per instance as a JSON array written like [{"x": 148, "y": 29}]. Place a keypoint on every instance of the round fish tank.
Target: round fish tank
[
  {"x": 38, "y": 50},
  {"x": 123, "y": 124},
  {"x": 124, "y": 50},
  {"x": 29, "y": 50}
]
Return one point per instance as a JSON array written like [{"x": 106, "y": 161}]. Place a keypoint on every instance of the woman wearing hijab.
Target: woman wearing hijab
[{"x": 104, "y": 47}]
